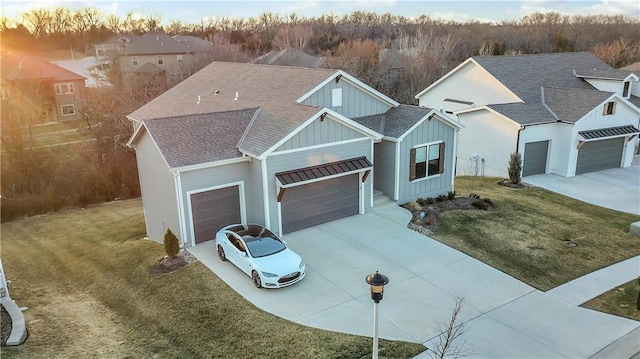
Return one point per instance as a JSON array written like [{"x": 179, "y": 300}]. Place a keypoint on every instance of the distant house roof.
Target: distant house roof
[
  {"x": 149, "y": 68},
  {"x": 194, "y": 44},
  {"x": 20, "y": 67},
  {"x": 151, "y": 44},
  {"x": 201, "y": 138},
  {"x": 288, "y": 57}
]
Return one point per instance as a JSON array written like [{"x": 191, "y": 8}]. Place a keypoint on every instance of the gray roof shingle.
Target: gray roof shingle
[
  {"x": 152, "y": 44},
  {"x": 202, "y": 138},
  {"x": 396, "y": 121},
  {"x": 570, "y": 105}
]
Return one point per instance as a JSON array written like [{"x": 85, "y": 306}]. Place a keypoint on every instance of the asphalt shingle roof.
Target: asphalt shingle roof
[
  {"x": 18, "y": 67},
  {"x": 202, "y": 138},
  {"x": 152, "y": 44},
  {"x": 566, "y": 93},
  {"x": 396, "y": 121}
]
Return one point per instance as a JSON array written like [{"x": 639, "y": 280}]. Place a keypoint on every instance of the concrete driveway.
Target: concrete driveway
[
  {"x": 616, "y": 188},
  {"x": 505, "y": 317}
]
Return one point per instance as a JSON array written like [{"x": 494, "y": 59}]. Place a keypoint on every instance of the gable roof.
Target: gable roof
[
  {"x": 195, "y": 139},
  {"x": 151, "y": 44},
  {"x": 570, "y": 105},
  {"x": 20, "y": 67},
  {"x": 194, "y": 44},
  {"x": 400, "y": 120}
]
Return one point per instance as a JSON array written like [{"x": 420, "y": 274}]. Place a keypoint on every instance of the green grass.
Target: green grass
[
  {"x": 85, "y": 276},
  {"x": 620, "y": 301},
  {"x": 525, "y": 235}
]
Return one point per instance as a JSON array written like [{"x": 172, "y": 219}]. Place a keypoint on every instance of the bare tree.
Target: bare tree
[
  {"x": 448, "y": 344},
  {"x": 37, "y": 21},
  {"x": 296, "y": 36},
  {"x": 618, "y": 53}
]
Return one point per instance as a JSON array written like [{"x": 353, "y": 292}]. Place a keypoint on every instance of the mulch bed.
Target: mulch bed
[
  {"x": 506, "y": 183},
  {"x": 6, "y": 324},
  {"x": 168, "y": 264},
  {"x": 426, "y": 218}
]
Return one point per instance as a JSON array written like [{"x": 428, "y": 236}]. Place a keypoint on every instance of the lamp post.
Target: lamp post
[{"x": 377, "y": 282}]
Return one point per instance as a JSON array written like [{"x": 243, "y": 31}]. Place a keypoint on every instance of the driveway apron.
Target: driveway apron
[{"x": 504, "y": 317}]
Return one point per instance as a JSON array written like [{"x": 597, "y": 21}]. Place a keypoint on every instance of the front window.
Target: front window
[
  {"x": 160, "y": 60},
  {"x": 609, "y": 108},
  {"x": 426, "y": 160},
  {"x": 68, "y": 110},
  {"x": 625, "y": 90},
  {"x": 179, "y": 58},
  {"x": 65, "y": 89},
  {"x": 134, "y": 60}
]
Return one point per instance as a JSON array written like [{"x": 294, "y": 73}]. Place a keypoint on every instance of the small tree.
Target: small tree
[
  {"x": 171, "y": 244},
  {"x": 515, "y": 168},
  {"x": 447, "y": 343}
]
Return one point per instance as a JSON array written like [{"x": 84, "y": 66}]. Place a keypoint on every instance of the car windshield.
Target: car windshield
[{"x": 263, "y": 246}]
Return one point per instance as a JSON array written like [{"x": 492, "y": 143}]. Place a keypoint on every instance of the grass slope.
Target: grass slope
[
  {"x": 526, "y": 234},
  {"x": 620, "y": 301},
  {"x": 86, "y": 277}
]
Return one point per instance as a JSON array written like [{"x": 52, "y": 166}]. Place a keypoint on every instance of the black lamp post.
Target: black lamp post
[{"x": 377, "y": 282}]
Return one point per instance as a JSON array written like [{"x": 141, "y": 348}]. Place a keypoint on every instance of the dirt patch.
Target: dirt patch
[
  {"x": 426, "y": 216},
  {"x": 168, "y": 264}
]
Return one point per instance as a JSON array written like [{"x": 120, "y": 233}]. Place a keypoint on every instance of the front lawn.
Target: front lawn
[
  {"x": 527, "y": 234},
  {"x": 620, "y": 301},
  {"x": 85, "y": 276}
]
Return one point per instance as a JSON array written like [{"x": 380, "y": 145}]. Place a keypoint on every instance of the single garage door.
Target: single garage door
[
  {"x": 600, "y": 155},
  {"x": 310, "y": 204},
  {"x": 213, "y": 210},
  {"x": 535, "y": 158}
]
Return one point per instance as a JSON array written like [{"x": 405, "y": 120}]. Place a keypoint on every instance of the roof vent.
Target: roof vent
[{"x": 236, "y": 99}]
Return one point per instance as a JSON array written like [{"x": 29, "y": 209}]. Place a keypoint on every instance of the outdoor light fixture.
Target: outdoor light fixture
[{"x": 377, "y": 282}]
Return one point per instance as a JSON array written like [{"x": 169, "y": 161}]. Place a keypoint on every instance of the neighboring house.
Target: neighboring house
[
  {"x": 33, "y": 84},
  {"x": 565, "y": 113},
  {"x": 284, "y": 147},
  {"x": 290, "y": 57},
  {"x": 171, "y": 59}
]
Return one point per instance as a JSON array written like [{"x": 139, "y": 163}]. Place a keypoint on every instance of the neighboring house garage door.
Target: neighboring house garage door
[
  {"x": 310, "y": 204},
  {"x": 600, "y": 155},
  {"x": 535, "y": 158},
  {"x": 213, "y": 210}
]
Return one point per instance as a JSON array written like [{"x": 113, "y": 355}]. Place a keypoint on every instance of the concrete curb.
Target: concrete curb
[{"x": 19, "y": 329}]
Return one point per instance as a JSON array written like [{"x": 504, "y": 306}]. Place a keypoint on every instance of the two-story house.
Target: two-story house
[
  {"x": 285, "y": 147},
  {"x": 565, "y": 113},
  {"x": 44, "y": 90}
]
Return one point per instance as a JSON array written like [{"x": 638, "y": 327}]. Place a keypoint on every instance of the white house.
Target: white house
[{"x": 565, "y": 113}]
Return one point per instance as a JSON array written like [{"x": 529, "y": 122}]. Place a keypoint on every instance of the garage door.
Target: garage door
[
  {"x": 600, "y": 155},
  {"x": 213, "y": 210},
  {"x": 307, "y": 205},
  {"x": 535, "y": 158}
]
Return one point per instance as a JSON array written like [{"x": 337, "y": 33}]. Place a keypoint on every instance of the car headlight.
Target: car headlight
[
  {"x": 301, "y": 265},
  {"x": 269, "y": 275}
]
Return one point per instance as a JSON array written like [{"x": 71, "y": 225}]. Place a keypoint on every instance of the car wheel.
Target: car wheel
[
  {"x": 256, "y": 279},
  {"x": 221, "y": 253}
]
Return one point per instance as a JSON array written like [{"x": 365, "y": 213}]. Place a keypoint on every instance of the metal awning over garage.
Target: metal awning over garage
[
  {"x": 611, "y": 132},
  {"x": 315, "y": 173}
]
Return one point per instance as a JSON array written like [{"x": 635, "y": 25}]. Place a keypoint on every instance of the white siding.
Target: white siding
[
  {"x": 607, "y": 85},
  {"x": 491, "y": 138},
  {"x": 560, "y": 149},
  {"x": 469, "y": 83},
  {"x": 157, "y": 185}
]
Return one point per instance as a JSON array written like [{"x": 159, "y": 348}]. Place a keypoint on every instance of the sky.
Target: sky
[{"x": 458, "y": 10}]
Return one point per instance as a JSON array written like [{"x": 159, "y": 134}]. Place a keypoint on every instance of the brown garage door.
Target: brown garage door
[
  {"x": 307, "y": 205},
  {"x": 213, "y": 210}
]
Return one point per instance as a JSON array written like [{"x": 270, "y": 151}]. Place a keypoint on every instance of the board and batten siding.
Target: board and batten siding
[
  {"x": 427, "y": 132},
  {"x": 355, "y": 102},
  {"x": 157, "y": 186},
  {"x": 201, "y": 179},
  {"x": 312, "y": 157},
  {"x": 384, "y": 168},
  {"x": 254, "y": 193},
  {"x": 320, "y": 132},
  {"x": 560, "y": 149}
]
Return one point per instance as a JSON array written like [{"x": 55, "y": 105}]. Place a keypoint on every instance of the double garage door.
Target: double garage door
[
  {"x": 212, "y": 210},
  {"x": 318, "y": 202},
  {"x": 600, "y": 155}
]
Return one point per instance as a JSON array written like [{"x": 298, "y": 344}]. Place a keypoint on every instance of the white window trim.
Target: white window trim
[
  {"x": 613, "y": 109},
  {"x": 160, "y": 60},
  {"x": 60, "y": 88},
  {"x": 134, "y": 60},
  {"x": 336, "y": 97},
  {"x": 427, "y": 177},
  {"x": 179, "y": 58},
  {"x": 73, "y": 106},
  {"x": 628, "y": 94}
]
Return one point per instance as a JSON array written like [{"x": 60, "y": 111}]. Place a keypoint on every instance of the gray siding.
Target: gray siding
[
  {"x": 428, "y": 131},
  {"x": 157, "y": 185},
  {"x": 355, "y": 102},
  {"x": 306, "y": 158},
  {"x": 384, "y": 167},
  {"x": 319, "y": 132},
  {"x": 211, "y": 177},
  {"x": 255, "y": 203}
]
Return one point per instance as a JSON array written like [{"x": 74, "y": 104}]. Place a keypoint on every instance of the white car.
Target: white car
[{"x": 260, "y": 254}]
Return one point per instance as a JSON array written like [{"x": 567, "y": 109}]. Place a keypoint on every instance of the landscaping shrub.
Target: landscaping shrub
[
  {"x": 515, "y": 168},
  {"x": 171, "y": 244},
  {"x": 441, "y": 198},
  {"x": 422, "y": 201},
  {"x": 451, "y": 195},
  {"x": 488, "y": 201},
  {"x": 431, "y": 200},
  {"x": 480, "y": 204}
]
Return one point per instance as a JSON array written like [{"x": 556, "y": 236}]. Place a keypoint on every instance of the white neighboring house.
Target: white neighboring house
[{"x": 565, "y": 113}]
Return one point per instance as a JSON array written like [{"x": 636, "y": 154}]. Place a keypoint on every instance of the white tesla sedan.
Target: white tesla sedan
[{"x": 260, "y": 254}]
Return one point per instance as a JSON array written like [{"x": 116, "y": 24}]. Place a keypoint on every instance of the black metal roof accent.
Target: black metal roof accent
[
  {"x": 324, "y": 170},
  {"x": 608, "y": 132}
]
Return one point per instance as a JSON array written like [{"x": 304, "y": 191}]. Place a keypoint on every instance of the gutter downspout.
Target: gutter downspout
[
  {"x": 181, "y": 220},
  {"x": 518, "y": 138}
]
